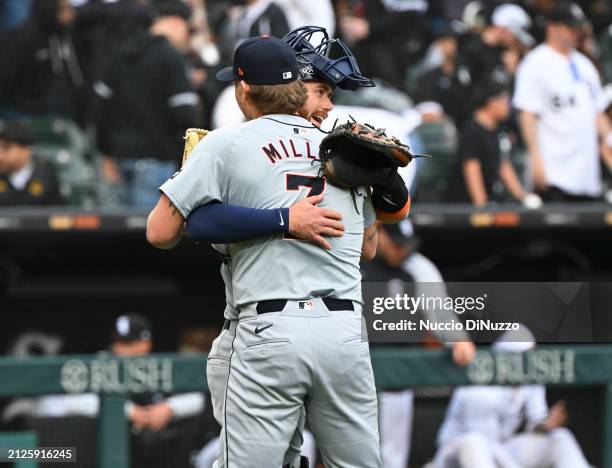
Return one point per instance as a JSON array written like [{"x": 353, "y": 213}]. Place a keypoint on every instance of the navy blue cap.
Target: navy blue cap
[{"x": 264, "y": 60}]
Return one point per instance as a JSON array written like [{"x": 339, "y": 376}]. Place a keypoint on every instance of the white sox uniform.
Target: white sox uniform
[
  {"x": 480, "y": 425},
  {"x": 298, "y": 340}
]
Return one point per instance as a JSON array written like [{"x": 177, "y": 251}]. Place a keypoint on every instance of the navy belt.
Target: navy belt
[{"x": 276, "y": 305}]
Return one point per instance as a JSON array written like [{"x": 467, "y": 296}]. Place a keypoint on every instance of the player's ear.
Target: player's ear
[{"x": 245, "y": 87}]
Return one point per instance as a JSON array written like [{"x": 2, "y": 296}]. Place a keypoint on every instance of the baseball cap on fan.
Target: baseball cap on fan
[
  {"x": 262, "y": 60},
  {"x": 516, "y": 20},
  {"x": 566, "y": 13}
]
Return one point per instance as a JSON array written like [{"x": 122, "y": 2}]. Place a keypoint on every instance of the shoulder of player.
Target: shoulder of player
[{"x": 217, "y": 141}]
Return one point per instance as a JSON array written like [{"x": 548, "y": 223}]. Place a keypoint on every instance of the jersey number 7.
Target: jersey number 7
[{"x": 295, "y": 182}]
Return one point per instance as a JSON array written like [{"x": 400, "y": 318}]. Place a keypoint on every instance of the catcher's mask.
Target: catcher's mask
[{"x": 315, "y": 64}]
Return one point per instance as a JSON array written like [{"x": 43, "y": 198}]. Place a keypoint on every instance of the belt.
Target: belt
[{"x": 276, "y": 305}]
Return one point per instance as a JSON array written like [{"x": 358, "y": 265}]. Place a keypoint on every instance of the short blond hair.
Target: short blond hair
[{"x": 286, "y": 98}]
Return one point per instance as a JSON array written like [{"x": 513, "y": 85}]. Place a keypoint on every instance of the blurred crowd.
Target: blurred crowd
[{"x": 510, "y": 97}]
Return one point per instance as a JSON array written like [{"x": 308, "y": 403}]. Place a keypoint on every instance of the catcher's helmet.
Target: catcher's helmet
[{"x": 315, "y": 64}]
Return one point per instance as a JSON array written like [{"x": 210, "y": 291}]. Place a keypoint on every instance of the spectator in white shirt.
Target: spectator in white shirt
[{"x": 559, "y": 96}]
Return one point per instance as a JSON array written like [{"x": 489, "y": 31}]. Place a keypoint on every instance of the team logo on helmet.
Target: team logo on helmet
[{"x": 319, "y": 62}]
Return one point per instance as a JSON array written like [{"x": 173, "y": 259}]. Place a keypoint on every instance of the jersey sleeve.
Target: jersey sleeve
[
  {"x": 536, "y": 408},
  {"x": 203, "y": 179},
  {"x": 369, "y": 214},
  {"x": 528, "y": 95}
]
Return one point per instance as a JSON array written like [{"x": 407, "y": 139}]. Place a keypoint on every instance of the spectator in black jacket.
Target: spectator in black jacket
[
  {"x": 100, "y": 29},
  {"x": 387, "y": 35},
  {"x": 23, "y": 179},
  {"x": 441, "y": 92},
  {"x": 484, "y": 55},
  {"x": 145, "y": 105},
  {"x": 247, "y": 18},
  {"x": 39, "y": 72}
]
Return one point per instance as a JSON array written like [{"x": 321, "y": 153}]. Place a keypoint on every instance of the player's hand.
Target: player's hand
[
  {"x": 557, "y": 416},
  {"x": 139, "y": 416},
  {"x": 159, "y": 415},
  {"x": 463, "y": 352},
  {"x": 309, "y": 222}
]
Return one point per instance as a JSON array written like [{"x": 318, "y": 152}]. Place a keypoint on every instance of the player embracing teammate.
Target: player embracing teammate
[{"x": 296, "y": 327}]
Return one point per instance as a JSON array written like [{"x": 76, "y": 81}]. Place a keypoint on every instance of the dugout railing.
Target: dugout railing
[{"x": 394, "y": 369}]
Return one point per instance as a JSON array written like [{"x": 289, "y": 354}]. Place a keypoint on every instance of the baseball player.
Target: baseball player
[
  {"x": 203, "y": 223},
  {"x": 298, "y": 338},
  {"x": 481, "y": 423}
]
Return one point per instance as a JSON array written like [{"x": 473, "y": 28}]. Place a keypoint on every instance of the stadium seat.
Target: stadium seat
[
  {"x": 439, "y": 174},
  {"x": 63, "y": 144}
]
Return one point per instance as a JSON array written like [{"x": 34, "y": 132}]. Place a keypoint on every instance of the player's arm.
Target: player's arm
[
  {"x": 391, "y": 199},
  {"x": 474, "y": 181},
  {"x": 165, "y": 224},
  {"x": 220, "y": 223},
  {"x": 370, "y": 231},
  {"x": 201, "y": 180},
  {"x": 370, "y": 242}
]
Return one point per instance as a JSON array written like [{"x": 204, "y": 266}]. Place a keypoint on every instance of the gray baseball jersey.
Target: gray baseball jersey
[{"x": 267, "y": 163}]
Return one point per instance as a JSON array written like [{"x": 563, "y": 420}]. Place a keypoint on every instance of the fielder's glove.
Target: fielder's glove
[
  {"x": 357, "y": 155},
  {"x": 192, "y": 137}
]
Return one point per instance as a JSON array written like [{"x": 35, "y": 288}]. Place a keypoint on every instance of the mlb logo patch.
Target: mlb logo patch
[
  {"x": 305, "y": 305},
  {"x": 287, "y": 75}
]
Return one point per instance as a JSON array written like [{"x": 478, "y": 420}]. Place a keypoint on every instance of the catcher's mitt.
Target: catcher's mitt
[
  {"x": 356, "y": 154},
  {"x": 192, "y": 137}
]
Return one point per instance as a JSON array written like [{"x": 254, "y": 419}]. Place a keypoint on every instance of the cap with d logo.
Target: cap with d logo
[{"x": 263, "y": 60}]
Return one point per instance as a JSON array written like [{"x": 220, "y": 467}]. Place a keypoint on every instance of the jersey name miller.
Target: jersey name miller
[{"x": 286, "y": 149}]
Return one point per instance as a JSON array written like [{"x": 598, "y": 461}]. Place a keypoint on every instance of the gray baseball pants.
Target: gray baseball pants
[
  {"x": 304, "y": 356},
  {"x": 217, "y": 368}
]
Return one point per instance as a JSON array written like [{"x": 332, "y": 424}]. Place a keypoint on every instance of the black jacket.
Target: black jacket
[
  {"x": 145, "y": 102},
  {"x": 41, "y": 189},
  {"x": 446, "y": 90},
  {"x": 39, "y": 72}
]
